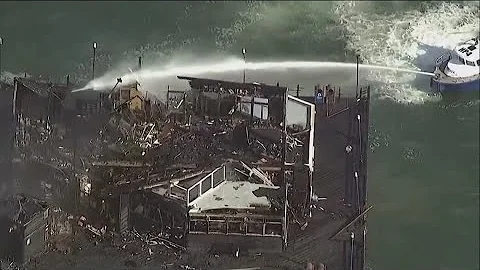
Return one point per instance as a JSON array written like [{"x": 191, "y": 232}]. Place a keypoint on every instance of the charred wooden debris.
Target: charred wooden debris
[
  {"x": 218, "y": 159},
  {"x": 220, "y": 162}
]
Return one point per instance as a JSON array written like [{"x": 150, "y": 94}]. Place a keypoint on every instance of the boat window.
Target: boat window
[
  {"x": 461, "y": 60},
  {"x": 478, "y": 62},
  {"x": 470, "y": 63}
]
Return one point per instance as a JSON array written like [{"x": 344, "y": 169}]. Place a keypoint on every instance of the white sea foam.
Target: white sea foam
[{"x": 409, "y": 39}]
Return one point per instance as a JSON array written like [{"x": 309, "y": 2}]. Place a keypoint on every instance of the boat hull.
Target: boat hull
[{"x": 449, "y": 87}]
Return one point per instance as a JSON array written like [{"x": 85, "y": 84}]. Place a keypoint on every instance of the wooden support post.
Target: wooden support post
[
  {"x": 197, "y": 101},
  {"x": 168, "y": 97},
  {"x": 204, "y": 104},
  {"x": 284, "y": 177},
  {"x": 185, "y": 118},
  {"x": 252, "y": 105},
  {"x": 219, "y": 103}
]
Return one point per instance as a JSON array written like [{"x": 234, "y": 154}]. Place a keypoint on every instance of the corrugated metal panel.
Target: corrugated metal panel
[
  {"x": 34, "y": 242},
  {"x": 34, "y": 223}
]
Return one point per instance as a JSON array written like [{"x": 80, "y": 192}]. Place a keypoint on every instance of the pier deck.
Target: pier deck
[{"x": 333, "y": 210}]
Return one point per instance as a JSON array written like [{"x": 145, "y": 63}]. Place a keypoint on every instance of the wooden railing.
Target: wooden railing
[
  {"x": 211, "y": 180},
  {"x": 232, "y": 225}
]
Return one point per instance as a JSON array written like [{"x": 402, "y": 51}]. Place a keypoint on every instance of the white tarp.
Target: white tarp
[
  {"x": 297, "y": 113},
  {"x": 302, "y": 113}
]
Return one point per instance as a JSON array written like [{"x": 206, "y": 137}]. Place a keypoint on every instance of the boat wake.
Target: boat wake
[{"x": 400, "y": 39}]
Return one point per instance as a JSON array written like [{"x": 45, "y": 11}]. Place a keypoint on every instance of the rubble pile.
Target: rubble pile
[
  {"x": 6, "y": 265},
  {"x": 105, "y": 155},
  {"x": 144, "y": 249},
  {"x": 198, "y": 147}
]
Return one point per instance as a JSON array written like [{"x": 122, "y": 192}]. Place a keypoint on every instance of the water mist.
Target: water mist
[{"x": 107, "y": 81}]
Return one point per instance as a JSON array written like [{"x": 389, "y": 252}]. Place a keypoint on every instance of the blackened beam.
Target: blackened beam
[
  {"x": 267, "y": 164},
  {"x": 186, "y": 177},
  {"x": 243, "y": 173},
  {"x": 256, "y": 102},
  {"x": 159, "y": 184},
  {"x": 51, "y": 166},
  {"x": 173, "y": 181},
  {"x": 337, "y": 113},
  {"x": 161, "y": 239},
  {"x": 304, "y": 132},
  {"x": 180, "y": 103},
  {"x": 351, "y": 222},
  {"x": 263, "y": 88},
  {"x": 120, "y": 163},
  {"x": 176, "y": 91},
  {"x": 270, "y": 169},
  {"x": 183, "y": 166},
  {"x": 258, "y": 173},
  {"x": 250, "y": 268}
]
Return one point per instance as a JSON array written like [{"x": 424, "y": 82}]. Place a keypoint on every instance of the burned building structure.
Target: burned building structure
[
  {"x": 209, "y": 144},
  {"x": 246, "y": 199},
  {"x": 37, "y": 104},
  {"x": 241, "y": 166},
  {"x": 220, "y": 167},
  {"x": 22, "y": 219},
  {"x": 28, "y": 224}
]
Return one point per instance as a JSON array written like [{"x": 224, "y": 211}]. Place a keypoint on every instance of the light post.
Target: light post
[
  {"x": 244, "y": 52},
  {"x": 1, "y": 44},
  {"x": 352, "y": 246},
  {"x": 358, "y": 60},
  {"x": 93, "y": 61}
]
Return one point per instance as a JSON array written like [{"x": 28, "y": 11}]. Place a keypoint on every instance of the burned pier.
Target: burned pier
[{"x": 220, "y": 169}]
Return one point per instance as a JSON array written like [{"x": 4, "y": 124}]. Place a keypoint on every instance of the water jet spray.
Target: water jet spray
[{"x": 106, "y": 82}]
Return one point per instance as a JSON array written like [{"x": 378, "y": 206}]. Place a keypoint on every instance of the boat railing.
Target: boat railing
[{"x": 443, "y": 58}]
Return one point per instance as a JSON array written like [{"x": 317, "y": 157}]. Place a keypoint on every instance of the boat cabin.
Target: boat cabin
[{"x": 466, "y": 61}]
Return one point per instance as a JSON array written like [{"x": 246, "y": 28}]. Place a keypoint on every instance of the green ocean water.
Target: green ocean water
[{"x": 424, "y": 159}]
